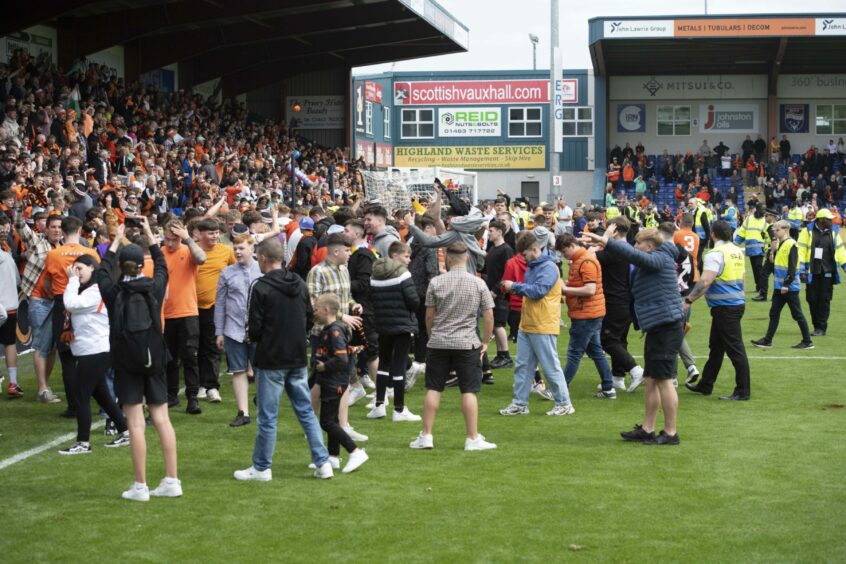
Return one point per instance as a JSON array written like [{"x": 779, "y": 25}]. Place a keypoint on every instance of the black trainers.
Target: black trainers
[
  {"x": 637, "y": 435},
  {"x": 662, "y": 439},
  {"x": 502, "y": 362},
  {"x": 68, "y": 414},
  {"x": 807, "y": 345},
  {"x": 697, "y": 390},
  {"x": 759, "y": 298},
  {"x": 193, "y": 407},
  {"x": 818, "y": 333},
  {"x": 121, "y": 440},
  {"x": 487, "y": 379},
  {"x": 762, "y": 343},
  {"x": 240, "y": 420},
  {"x": 172, "y": 402}
]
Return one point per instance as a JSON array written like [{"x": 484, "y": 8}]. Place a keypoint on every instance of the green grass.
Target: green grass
[{"x": 758, "y": 481}]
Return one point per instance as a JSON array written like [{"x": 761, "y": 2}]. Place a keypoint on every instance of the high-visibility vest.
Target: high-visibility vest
[
  {"x": 730, "y": 217},
  {"x": 795, "y": 217},
  {"x": 727, "y": 288},
  {"x": 650, "y": 220},
  {"x": 697, "y": 221},
  {"x": 806, "y": 252},
  {"x": 753, "y": 234},
  {"x": 611, "y": 212},
  {"x": 781, "y": 265}
]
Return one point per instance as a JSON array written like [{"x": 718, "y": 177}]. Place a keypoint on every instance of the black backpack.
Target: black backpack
[{"x": 136, "y": 329}]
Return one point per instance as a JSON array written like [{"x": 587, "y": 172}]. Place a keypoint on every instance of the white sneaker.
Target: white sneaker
[
  {"x": 422, "y": 441},
  {"x": 324, "y": 472},
  {"x": 201, "y": 393},
  {"x": 378, "y": 412},
  {"x": 479, "y": 443},
  {"x": 47, "y": 396},
  {"x": 514, "y": 409},
  {"x": 637, "y": 378},
  {"x": 136, "y": 493},
  {"x": 367, "y": 382},
  {"x": 619, "y": 382},
  {"x": 357, "y": 393},
  {"x": 405, "y": 415},
  {"x": 334, "y": 462},
  {"x": 372, "y": 403},
  {"x": 692, "y": 374},
  {"x": 168, "y": 488},
  {"x": 561, "y": 410},
  {"x": 213, "y": 395},
  {"x": 417, "y": 368},
  {"x": 355, "y": 435},
  {"x": 357, "y": 458},
  {"x": 541, "y": 390},
  {"x": 252, "y": 474}
]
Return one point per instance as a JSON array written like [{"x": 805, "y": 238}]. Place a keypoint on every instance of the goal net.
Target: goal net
[{"x": 394, "y": 188}]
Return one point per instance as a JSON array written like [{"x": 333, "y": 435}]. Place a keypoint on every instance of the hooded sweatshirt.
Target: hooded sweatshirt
[
  {"x": 382, "y": 241},
  {"x": 394, "y": 297},
  {"x": 278, "y": 320},
  {"x": 9, "y": 280}
]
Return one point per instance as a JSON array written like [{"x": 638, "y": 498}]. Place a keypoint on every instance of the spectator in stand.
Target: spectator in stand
[
  {"x": 784, "y": 149},
  {"x": 775, "y": 149},
  {"x": 748, "y": 148},
  {"x": 760, "y": 149}
]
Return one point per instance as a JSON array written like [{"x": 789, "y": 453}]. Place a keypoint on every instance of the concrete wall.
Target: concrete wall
[{"x": 576, "y": 185}]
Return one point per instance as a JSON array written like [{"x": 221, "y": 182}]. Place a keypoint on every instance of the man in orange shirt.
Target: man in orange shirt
[
  {"x": 55, "y": 279},
  {"x": 688, "y": 240},
  {"x": 218, "y": 257},
  {"x": 586, "y": 308},
  {"x": 182, "y": 322}
]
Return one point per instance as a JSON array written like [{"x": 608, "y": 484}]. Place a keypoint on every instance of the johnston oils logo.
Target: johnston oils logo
[{"x": 731, "y": 118}]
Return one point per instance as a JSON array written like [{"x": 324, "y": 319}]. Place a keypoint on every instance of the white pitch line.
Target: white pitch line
[
  {"x": 797, "y": 357},
  {"x": 20, "y": 457}
]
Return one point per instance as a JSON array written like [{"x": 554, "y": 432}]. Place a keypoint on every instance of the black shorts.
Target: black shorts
[
  {"x": 8, "y": 331},
  {"x": 661, "y": 351},
  {"x": 465, "y": 362},
  {"x": 500, "y": 313},
  {"x": 132, "y": 388}
]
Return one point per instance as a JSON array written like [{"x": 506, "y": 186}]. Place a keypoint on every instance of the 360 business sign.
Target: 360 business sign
[{"x": 469, "y": 122}]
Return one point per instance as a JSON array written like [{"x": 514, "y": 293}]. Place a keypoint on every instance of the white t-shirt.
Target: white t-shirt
[
  {"x": 565, "y": 216},
  {"x": 714, "y": 261}
]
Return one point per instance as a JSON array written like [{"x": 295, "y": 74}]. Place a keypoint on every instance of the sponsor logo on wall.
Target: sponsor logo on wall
[
  {"x": 731, "y": 118},
  {"x": 471, "y": 92},
  {"x": 473, "y": 157},
  {"x": 469, "y": 122},
  {"x": 631, "y": 118},
  {"x": 794, "y": 118}
]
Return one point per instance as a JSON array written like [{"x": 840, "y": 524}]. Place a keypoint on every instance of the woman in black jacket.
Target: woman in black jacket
[
  {"x": 139, "y": 355},
  {"x": 395, "y": 300}
]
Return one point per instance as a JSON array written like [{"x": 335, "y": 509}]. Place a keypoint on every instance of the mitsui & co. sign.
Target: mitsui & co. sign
[{"x": 469, "y": 122}]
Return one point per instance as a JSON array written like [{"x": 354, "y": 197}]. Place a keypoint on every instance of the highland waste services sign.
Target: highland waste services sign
[{"x": 469, "y": 122}]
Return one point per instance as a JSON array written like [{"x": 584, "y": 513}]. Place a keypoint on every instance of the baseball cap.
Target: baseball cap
[
  {"x": 306, "y": 223},
  {"x": 132, "y": 253},
  {"x": 824, "y": 214}
]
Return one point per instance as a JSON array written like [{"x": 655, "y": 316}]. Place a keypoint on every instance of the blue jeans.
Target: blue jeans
[
  {"x": 41, "y": 323},
  {"x": 584, "y": 338},
  {"x": 534, "y": 349},
  {"x": 270, "y": 385}
]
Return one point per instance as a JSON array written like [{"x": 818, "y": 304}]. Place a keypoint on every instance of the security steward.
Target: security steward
[
  {"x": 721, "y": 282},
  {"x": 821, "y": 251},
  {"x": 753, "y": 235}
]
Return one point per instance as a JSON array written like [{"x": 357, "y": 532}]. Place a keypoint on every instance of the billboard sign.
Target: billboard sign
[
  {"x": 729, "y": 118},
  {"x": 459, "y": 92},
  {"x": 469, "y": 122},
  {"x": 316, "y": 112},
  {"x": 631, "y": 118},
  {"x": 373, "y": 91},
  {"x": 794, "y": 118},
  {"x": 473, "y": 157}
]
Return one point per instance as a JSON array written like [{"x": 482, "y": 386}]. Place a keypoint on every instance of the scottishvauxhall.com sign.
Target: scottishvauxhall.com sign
[{"x": 471, "y": 92}]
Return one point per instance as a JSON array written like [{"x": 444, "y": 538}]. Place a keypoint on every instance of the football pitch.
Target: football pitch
[{"x": 751, "y": 481}]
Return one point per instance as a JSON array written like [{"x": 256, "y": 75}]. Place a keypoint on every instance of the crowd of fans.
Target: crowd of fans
[{"x": 145, "y": 234}]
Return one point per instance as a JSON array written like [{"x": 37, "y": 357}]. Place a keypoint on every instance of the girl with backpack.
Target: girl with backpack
[
  {"x": 89, "y": 331},
  {"x": 139, "y": 355}
]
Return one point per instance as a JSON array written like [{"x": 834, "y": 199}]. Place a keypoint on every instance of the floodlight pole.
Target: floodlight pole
[{"x": 553, "y": 51}]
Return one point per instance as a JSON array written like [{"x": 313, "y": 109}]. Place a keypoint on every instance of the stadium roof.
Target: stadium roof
[
  {"x": 751, "y": 44},
  {"x": 249, "y": 43}
]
